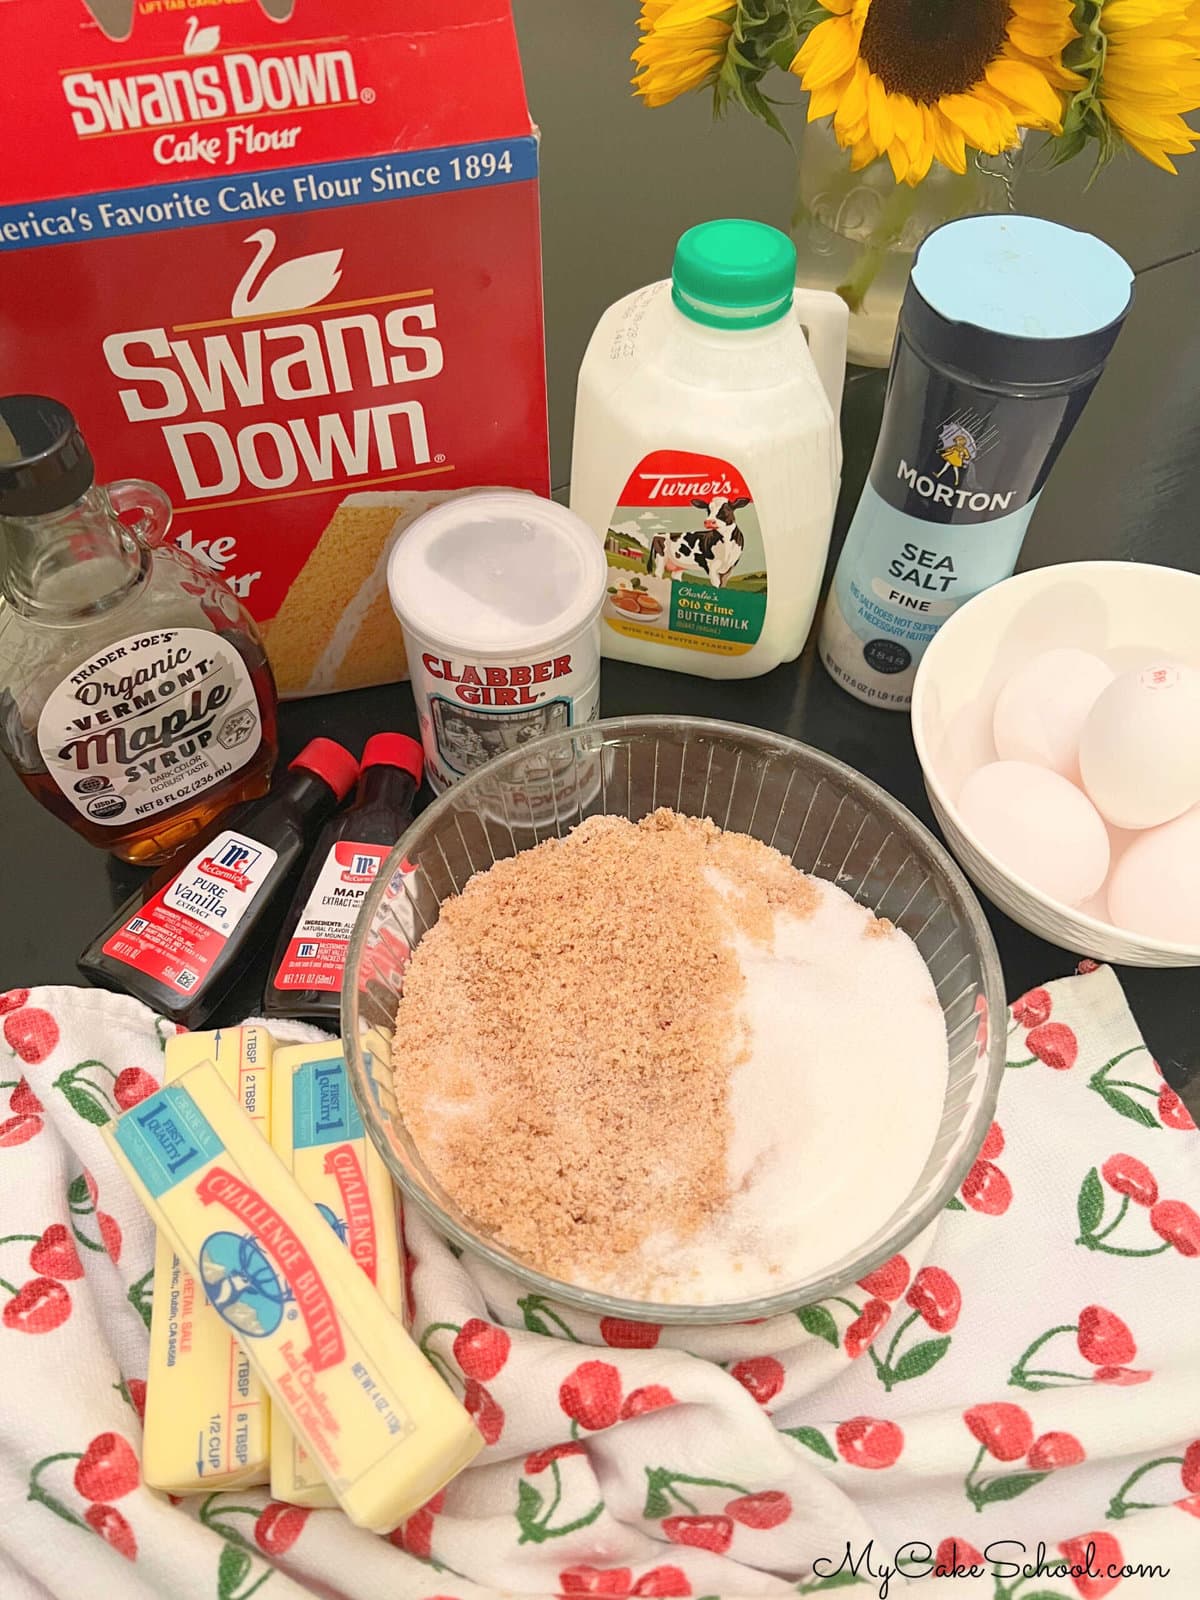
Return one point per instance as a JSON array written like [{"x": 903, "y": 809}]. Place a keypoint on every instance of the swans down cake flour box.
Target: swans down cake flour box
[{"x": 281, "y": 257}]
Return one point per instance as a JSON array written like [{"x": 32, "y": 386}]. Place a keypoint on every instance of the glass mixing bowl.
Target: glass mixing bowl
[{"x": 831, "y": 821}]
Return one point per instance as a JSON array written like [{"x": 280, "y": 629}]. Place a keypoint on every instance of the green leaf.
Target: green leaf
[
  {"x": 658, "y": 1501},
  {"x": 1126, "y": 1106},
  {"x": 1007, "y": 1488},
  {"x": 141, "y": 1295},
  {"x": 955, "y": 1204},
  {"x": 529, "y": 1504},
  {"x": 1090, "y": 1204},
  {"x": 819, "y": 1322},
  {"x": 915, "y": 1363},
  {"x": 844, "y": 1579},
  {"x": 77, "y": 1194},
  {"x": 233, "y": 1566},
  {"x": 814, "y": 1439},
  {"x": 82, "y": 1102},
  {"x": 531, "y": 1307}
]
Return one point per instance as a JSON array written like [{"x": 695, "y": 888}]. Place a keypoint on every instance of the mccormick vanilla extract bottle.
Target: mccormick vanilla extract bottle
[
  {"x": 136, "y": 702},
  {"x": 181, "y": 940},
  {"x": 310, "y": 955}
]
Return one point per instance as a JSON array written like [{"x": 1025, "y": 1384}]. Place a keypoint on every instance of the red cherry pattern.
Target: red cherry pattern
[
  {"x": 768, "y": 1509},
  {"x": 620, "y": 1334},
  {"x": 132, "y": 1086},
  {"x": 23, "y": 1101},
  {"x": 31, "y": 1033},
  {"x": 1105, "y": 1552},
  {"x": 1191, "y": 1506},
  {"x": 866, "y": 1325},
  {"x": 702, "y": 1533},
  {"x": 1032, "y": 1009},
  {"x": 112, "y": 1527},
  {"x": 887, "y": 1282},
  {"x": 986, "y": 1189},
  {"x": 664, "y": 1581},
  {"x": 760, "y": 1376},
  {"x": 1055, "y": 1044},
  {"x": 417, "y": 1534},
  {"x": 1178, "y": 1224},
  {"x": 39, "y": 1306},
  {"x": 110, "y": 1234},
  {"x": 107, "y": 1469},
  {"x": 279, "y": 1526},
  {"x": 993, "y": 1143},
  {"x": 651, "y": 1397},
  {"x": 1127, "y": 1175},
  {"x": 12, "y": 999},
  {"x": 483, "y": 1410},
  {"x": 1123, "y": 1377},
  {"x": 1189, "y": 1472},
  {"x": 1103, "y": 1338},
  {"x": 936, "y": 1297},
  {"x": 869, "y": 1442},
  {"x": 1172, "y": 1112},
  {"x": 135, "y": 1388},
  {"x": 591, "y": 1395},
  {"x": 1052, "y": 1450},
  {"x": 481, "y": 1349},
  {"x": 1004, "y": 1430},
  {"x": 54, "y": 1255},
  {"x": 19, "y": 1130},
  {"x": 541, "y": 1459},
  {"x": 952, "y": 1553},
  {"x": 670, "y": 1583}
]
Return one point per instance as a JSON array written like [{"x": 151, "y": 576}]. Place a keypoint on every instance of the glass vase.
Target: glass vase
[{"x": 857, "y": 232}]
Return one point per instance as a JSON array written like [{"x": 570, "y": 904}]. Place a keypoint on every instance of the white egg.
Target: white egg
[
  {"x": 1139, "y": 752},
  {"x": 1155, "y": 886},
  {"x": 1041, "y": 710},
  {"x": 1039, "y": 827}
]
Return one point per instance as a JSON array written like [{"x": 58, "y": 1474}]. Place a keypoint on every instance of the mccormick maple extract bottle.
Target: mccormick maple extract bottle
[
  {"x": 136, "y": 701},
  {"x": 179, "y": 942},
  {"x": 310, "y": 956}
]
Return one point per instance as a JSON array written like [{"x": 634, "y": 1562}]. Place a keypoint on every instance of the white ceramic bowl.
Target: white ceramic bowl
[{"x": 1124, "y": 611}]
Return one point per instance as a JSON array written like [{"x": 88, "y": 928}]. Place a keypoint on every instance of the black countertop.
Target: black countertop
[{"x": 58, "y": 891}]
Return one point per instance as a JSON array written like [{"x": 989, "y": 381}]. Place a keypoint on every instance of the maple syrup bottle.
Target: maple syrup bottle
[
  {"x": 136, "y": 702},
  {"x": 306, "y": 969},
  {"x": 181, "y": 939}
]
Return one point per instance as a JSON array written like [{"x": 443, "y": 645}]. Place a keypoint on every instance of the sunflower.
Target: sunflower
[
  {"x": 1151, "y": 74},
  {"x": 917, "y": 80},
  {"x": 682, "y": 46}
]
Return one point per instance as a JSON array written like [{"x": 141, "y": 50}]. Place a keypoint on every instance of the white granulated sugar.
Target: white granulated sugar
[{"x": 835, "y": 1107}]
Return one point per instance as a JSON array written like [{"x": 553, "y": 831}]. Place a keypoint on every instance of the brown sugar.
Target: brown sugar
[{"x": 568, "y": 1030}]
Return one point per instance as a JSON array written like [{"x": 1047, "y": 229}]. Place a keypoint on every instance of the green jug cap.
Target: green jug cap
[{"x": 734, "y": 274}]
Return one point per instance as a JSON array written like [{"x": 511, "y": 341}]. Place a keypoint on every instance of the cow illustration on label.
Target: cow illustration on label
[
  {"x": 713, "y": 550},
  {"x": 678, "y": 578},
  {"x": 241, "y": 1285}
]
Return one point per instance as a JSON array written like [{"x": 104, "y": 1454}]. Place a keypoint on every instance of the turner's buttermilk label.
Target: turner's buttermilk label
[
  {"x": 220, "y": 179},
  {"x": 686, "y": 560}
]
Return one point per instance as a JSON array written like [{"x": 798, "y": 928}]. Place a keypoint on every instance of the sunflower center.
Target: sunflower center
[{"x": 928, "y": 48}]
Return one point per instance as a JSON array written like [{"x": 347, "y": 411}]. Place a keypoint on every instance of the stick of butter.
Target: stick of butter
[
  {"x": 384, "y": 1429},
  {"x": 317, "y": 1133},
  {"x": 207, "y": 1413}
]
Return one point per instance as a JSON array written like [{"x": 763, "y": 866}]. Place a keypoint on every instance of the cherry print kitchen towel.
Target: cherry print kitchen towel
[{"x": 1009, "y": 1409}]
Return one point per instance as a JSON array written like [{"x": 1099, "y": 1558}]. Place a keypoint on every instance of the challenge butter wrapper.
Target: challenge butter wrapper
[
  {"x": 317, "y": 1133},
  {"x": 207, "y": 1413},
  {"x": 384, "y": 1429}
]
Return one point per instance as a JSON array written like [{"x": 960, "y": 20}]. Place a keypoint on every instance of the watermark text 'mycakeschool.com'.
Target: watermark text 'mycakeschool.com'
[{"x": 1003, "y": 1558}]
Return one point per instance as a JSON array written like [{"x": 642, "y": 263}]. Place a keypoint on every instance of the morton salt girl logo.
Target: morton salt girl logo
[
  {"x": 213, "y": 97},
  {"x": 961, "y": 441}
]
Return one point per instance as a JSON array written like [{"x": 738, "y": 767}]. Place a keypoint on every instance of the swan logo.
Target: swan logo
[
  {"x": 289, "y": 286},
  {"x": 198, "y": 41}
]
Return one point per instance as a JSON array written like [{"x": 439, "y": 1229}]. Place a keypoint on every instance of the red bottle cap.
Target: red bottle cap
[
  {"x": 395, "y": 750},
  {"x": 331, "y": 762}
]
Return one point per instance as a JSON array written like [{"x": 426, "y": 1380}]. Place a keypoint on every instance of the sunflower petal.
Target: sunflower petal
[{"x": 1025, "y": 88}]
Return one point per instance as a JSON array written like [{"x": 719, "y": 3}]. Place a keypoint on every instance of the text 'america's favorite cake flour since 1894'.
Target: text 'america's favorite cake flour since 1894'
[
  {"x": 277, "y": 260},
  {"x": 658, "y": 1061}
]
